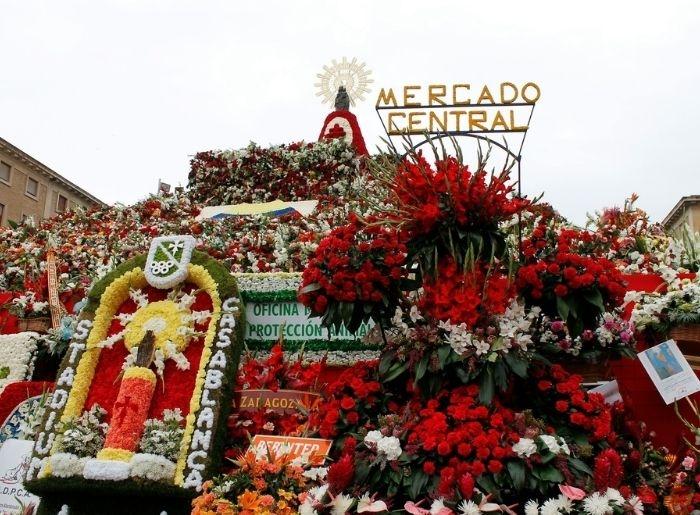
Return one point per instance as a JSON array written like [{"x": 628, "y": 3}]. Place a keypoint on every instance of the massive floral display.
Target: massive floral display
[{"x": 483, "y": 305}]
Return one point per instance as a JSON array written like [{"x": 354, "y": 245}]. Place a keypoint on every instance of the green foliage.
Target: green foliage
[
  {"x": 163, "y": 436},
  {"x": 84, "y": 436}
]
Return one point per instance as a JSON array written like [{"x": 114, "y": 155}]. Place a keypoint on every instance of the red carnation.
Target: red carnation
[
  {"x": 544, "y": 385},
  {"x": 444, "y": 448},
  {"x": 561, "y": 406},
  {"x": 347, "y": 403},
  {"x": 429, "y": 468},
  {"x": 495, "y": 466},
  {"x": 560, "y": 290},
  {"x": 646, "y": 495}
]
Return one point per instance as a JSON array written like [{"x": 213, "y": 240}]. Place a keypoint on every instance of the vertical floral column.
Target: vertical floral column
[{"x": 129, "y": 415}]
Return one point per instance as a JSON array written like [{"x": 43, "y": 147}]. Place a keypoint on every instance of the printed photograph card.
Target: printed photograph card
[{"x": 669, "y": 371}]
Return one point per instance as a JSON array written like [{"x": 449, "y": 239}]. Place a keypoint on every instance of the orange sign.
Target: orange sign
[
  {"x": 283, "y": 401},
  {"x": 315, "y": 448}
]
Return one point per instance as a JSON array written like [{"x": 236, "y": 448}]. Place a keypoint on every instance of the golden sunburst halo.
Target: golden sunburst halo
[
  {"x": 352, "y": 74},
  {"x": 165, "y": 319}
]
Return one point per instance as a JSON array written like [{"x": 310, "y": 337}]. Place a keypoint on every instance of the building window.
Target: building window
[
  {"x": 61, "y": 204},
  {"x": 32, "y": 187},
  {"x": 5, "y": 170},
  {"x": 2, "y": 213}
]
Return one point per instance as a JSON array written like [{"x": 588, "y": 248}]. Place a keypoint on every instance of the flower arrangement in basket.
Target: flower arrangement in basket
[
  {"x": 32, "y": 312},
  {"x": 446, "y": 228},
  {"x": 447, "y": 209},
  {"x": 675, "y": 312},
  {"x": 565, "y": 275},
  {"x": 355, "y": 275},
  {"x": 271, "y": 373},
  {"x": 613, "y": 337}
]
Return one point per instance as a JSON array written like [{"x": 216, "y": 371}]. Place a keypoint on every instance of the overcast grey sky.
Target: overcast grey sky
[{"x": 116, "y": 94}]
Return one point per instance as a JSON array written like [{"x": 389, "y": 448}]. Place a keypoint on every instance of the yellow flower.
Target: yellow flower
[
  {"x": 285, "y": 494},
  {"x": 164, "y": 318},
  {"x": 203, "y": 280},
  {"x": 113, "y": 297}
]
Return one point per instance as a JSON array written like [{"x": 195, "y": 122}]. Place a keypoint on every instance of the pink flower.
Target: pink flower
[
  {"x": 414, "y": 509},
  {"x": 572, "y": 493},
  {"x": 688, "y": 463}
]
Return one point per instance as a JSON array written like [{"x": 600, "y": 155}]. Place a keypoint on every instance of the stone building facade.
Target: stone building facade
[
  {"x": 686, "y": 211},
  {"x": 29, "y": 188}
]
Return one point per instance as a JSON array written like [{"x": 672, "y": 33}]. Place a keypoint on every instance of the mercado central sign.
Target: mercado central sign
[{"x": 457, "y": 108}]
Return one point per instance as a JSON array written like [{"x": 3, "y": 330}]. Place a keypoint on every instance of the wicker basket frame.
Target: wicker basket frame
[
  {"x": 38, "y": 325},
  {"x": 686, "y": 333}
]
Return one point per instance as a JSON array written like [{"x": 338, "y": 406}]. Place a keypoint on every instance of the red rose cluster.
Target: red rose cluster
[
  {"x": 359, "y": 262},
  {"x": 575, "y": 406},
  {"x": 470, "y": 296},
  {"x": 564, "y": 263},
  {"x": 350, "y": 401},
  {"x": 460, "y": 439},
  {"x": 449, "y": 194}
]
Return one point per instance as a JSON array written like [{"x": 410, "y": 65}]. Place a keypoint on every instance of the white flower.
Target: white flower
[
  {"x": 525, "y": 447},
  {"x": 373, "y": 437},
  {"x": 613, "y": 496},
  {"x": 390, "y": 446},
  {"x": 636, "y": 504},
  {"x": 316, "y": 473},
  {"x": 468, "y": 508},
  {"x": 550, "y": 442},
  {"x": 152, "y": 466},
  {"x": 556, "y": 506},
  {"x": 532, "y": 508},
  {"x": 437, "y": 506},
  {"x": 565, "y": 504},
  {"x": 414, "y": 314},
  {"x": 16, "y": 353},
  {"x": 38, "y": 307},
  {"x": 307, "y": 508},
  {"x": 365, "y": 504},
  {"x": 341, "y": 504},
  {"x": 318, "y": 492},
  {"x": 596, "y": 504}
]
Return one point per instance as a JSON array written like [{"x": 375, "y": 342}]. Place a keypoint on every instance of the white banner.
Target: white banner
[
  {"x": 265, "y": 321},
  {"x": 14, "y": 461}
]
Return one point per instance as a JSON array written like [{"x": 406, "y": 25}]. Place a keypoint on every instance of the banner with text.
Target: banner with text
[{"x": 267, "y": 320}]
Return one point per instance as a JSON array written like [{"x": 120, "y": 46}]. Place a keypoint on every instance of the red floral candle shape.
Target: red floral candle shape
[{"x": 129, "y": 414}]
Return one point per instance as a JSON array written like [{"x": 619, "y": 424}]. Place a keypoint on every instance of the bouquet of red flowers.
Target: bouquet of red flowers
[
  {"x": 471, "y": 296},
  {"x": 564, "y": 275},
  {"x": 355, "y": 275},
  {"x": 457, "y": 441},
  {"x": 351, "y": 401},
  {"x": 447, "y": 209}
]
